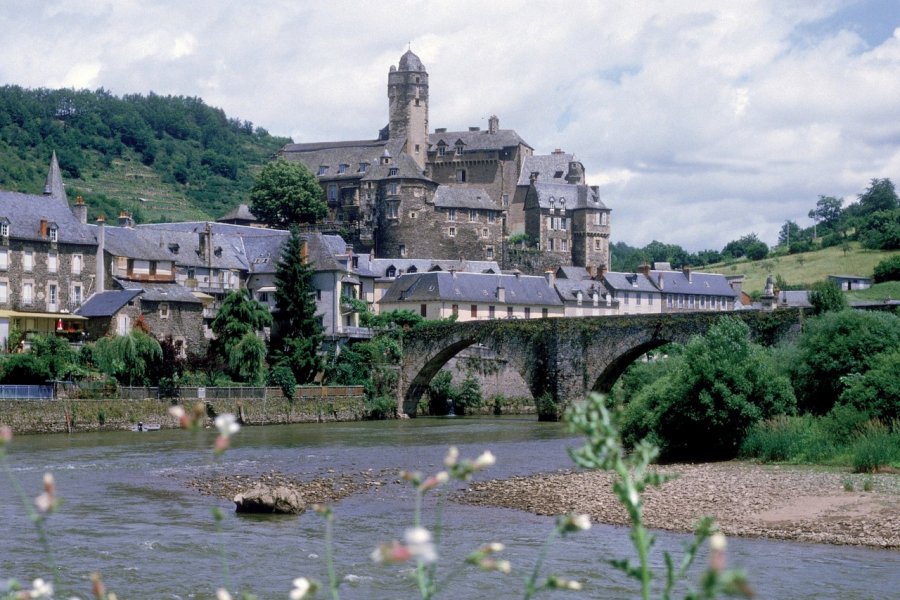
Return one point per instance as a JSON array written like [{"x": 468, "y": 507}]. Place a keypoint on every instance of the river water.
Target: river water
[{"x": 129, "y": 514}]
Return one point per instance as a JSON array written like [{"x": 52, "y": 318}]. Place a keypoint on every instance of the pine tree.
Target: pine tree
[{"x": 297, "y": 332}]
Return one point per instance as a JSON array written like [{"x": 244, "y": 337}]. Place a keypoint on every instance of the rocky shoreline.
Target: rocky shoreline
[
  {"x": 806, "y": 504},
  {"x": 784, "y": 502}
]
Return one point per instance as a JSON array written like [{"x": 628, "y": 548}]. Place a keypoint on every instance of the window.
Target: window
[
  {"x": 76, "y": 294},
  {"x": 625, "y": 297},
  {"x": 342, "y": 168},
  {"x": 402, "y": 249},
  {"x": 489, "y": 253},
  {"x": 669, "y": 300},
  {"x": 545, "y": 313},
  {"x": 492, "y": 312},
  {"x": 391, "y": 271},
  {"x": 392, "y": 189},
  {"x": 473, "y": 216},
  {"x": 460, "y": 176},
  {"x": 4, "y": 228},
  {"x": 413, "y": 214},
  {"x": 492, "y": 218},
  {"x": 363, "y": 167},
  {"x": 505, "y": 200},
  {"x": 598, "y": 244},
  {"x": 54, "y": 234},
  {"x": 691, "y": 301},
  {"x": 596, "y": 218},
  {"x": 417, "y": 146},
  {"x": 76, "y": 264},
  {"x": 264, "y": 297},
  {"x": 459, "y": 148},
  {"x": 604, "y": 218},
  {"x": 474, "y": 311},
  {"x": 318, "y": 294},
  {"x": 509, "y": 312},
  {"x": 27, "y": 293},
  {"x": 4, "y": 259},
  {"x": 564, "y": 245},
  {"x": 423, "y": 310},
  {"x": 442, "y": 150},
  {"x": 550, "y": 244},
  {"x": 332, "y": 192},
  {"x": 52, "y": 295},
  {"x": 455, "y": 309},
  {"x": 163, "y": 310},
  {"x": 563, "y": 223},
  {"x": 638, "y": 296},
  {"x": 393, "y": 171},
  {"x": 451, "y": 214},
  {"x": 322, "y": 170},
  {"x": 451, "y": 231},
  {"x": 4, "y": 292},
  {"x": 392, "y": 210},
  {"x": 28, "y": 260},
  {"x": 527, "y": 312}
]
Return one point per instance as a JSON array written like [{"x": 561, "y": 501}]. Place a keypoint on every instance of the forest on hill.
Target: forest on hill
[{"x": 160, "y": 157}]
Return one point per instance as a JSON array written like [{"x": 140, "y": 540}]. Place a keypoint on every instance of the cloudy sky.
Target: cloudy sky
[{"x": 701, "y": 121}]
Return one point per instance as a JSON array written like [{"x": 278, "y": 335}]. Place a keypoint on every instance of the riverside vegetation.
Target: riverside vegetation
[{"x": 421, "y": 545}]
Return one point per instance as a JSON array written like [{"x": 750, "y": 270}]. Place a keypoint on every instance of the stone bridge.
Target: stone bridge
[{"x": 563, "y": 359}]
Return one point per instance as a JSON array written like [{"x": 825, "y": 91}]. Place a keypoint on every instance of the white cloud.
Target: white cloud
[{"x": 701, "y": 121}]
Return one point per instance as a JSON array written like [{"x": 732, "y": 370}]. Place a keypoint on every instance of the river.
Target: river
[{"x": 128, "y": 513}]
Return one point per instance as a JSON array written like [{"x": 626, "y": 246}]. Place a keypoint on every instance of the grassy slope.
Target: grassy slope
[{"x": 806, "y": 268}]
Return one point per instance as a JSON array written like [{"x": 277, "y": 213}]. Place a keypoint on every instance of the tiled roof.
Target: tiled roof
[
  {"x": 576, "y": 196},
  {"x": 676, "y": 282},
  {"x": 25, "y": 211},
  {"x": 471, "y": 287},
  {"x": 457, "y": 197},
  {"x": 547, "y": 166},
  {"x": 160, "y": 292},
  {"x": 477, "y": 140},
  {"x": 628, "y": 282},
  {"x": 106, "y": 304}
]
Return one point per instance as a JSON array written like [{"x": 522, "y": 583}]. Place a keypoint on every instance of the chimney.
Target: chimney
[
  {"x": 558, "y": 151},
  {"x": 43, "y": 228},
  {"x": 80, "y": 210},
  {"x": 493, "y": 124},
  {"x": 474, "y": 128},
  {"x": 644, "y": 269},
  {"x": 441, "y": 130},
  {"x": 687, "y": 272},
  {"x": 501, "y": 294},
  {"x": 550, "y": 276},
  {"x": 576, "y": 172},
  {"x": 101, "y": 254},
  {"x": 533, "y": 177},
  {"x": 125, "y": 219},
  {"x": 660, "y": 282}
]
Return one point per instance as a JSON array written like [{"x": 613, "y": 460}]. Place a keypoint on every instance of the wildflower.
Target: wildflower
[
  {"x": 184, "y": 421},
  {"x": 5, "y": 435},
  {"x": 559, "y": 583},
  {"x": 97, "y": 586},
  {"x": 717, "y": 544},
  {"x": 718, "y": 541},
  {"x": 491, "y": 564},
  {"x": 302, "y": 586},
  {"x": 418, "y": 540},
  {"x": 227, "y": 425},
  {"x": 484, "y": 461},
  {"x": 452, "y": 457},
  {"x": 434, "y": 481},
  {"x": 492, "y": 548},
  {"x": 571, "y": 523},
  {"x": 222, "y": 594},
  {"x": 41, "y": 589},
  {"x": 46, "y": 501},
  {"x": 394, "y": 552}
]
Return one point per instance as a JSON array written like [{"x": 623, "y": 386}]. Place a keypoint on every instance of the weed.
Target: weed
[{"x": 848, "y": 485}]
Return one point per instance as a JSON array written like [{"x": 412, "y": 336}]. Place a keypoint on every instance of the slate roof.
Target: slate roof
[
  {"x": 149, "y": 242},
  {"x": 547, "y": 166},
  {"x": 571, "y": 272},
  {"x": 379, "y": 266},
  {"x": 407, "y": 168},
  {"x": 160, "y": 292},
  {"x": 629, "y": 282},
  {"x": 471, "y": 287},
  {"x": 794, "y": 298},
  {"x": 25, "y": 212},
  {"x": 106, "y": 304},
  {"x": 240, "y": 213},
  {"x": 568, "y": 288},
  {"x": 458, "y": 197},
  {"x": 676, "y": 282},
  {"x": 410, "y": 62},
  {"x": 333, "y": 154},
  {"x": 477, "y": 140},
  {"x": 264, "y": 251},
  {"x": 577, "y": 196}
]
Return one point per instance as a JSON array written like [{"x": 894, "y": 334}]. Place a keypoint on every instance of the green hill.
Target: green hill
[
  {"x": 800, "y": 271},
  {"x": 160, "y": 157}
]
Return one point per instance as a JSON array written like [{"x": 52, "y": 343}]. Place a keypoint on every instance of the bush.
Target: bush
[
  {"x": 381, "y": 407},
  {"x": 468, "y": 397},
  {"x": 888, "y": 270},
  {"x": 441, "y": 393},
  {"x": 283, "y": 377},
  {"x": 778, "y": 439},
  {"x": 826, "y": 296},
  {"x": 877, "y": 448},
  {"x": 877, "y": 391}
]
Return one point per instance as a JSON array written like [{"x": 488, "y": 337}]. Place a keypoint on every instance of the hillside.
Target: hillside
[
  {"x": 802, "y": 270},
  {"x": 160, "y": 157}
]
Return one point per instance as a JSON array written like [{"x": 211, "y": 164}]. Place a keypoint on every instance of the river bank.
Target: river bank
[{"x": 806, "y": 504}]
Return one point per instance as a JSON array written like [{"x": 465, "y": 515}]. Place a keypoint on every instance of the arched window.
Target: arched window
[{"x": 391, "y": 271}]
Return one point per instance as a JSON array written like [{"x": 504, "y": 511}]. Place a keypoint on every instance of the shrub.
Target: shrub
[
  {"x": 381, "y": 407},
  {"x": 877, "y": 391},
  {"x": 777, "y": 439},
  {"x": 283, "y": 377},
  {"x": 826, "y": 296},
  {"x": 441, "y": 393},
  {"x": 887, "y": 270},
  {"x": 468, "y": 397},
  {"x": 875, "y": 449}
]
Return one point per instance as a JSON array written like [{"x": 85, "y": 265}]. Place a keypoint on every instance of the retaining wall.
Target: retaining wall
[{"x": 309, "y": 405}]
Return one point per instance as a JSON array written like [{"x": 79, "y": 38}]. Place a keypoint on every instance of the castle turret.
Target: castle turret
[{"x": 408, "y": 106}]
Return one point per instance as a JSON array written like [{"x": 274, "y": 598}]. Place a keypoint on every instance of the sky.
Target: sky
[{"x": 701, "y": 121}]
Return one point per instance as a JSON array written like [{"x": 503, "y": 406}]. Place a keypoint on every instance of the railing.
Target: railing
[{"x": 26, "y": 392}]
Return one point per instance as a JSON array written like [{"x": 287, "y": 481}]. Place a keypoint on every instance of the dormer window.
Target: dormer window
[
  {"x": 558, "y": 175},
  {"x": 342, "y": 168},
  {"x": 391, "y": 271},
  {"x": 322, "y": 170},
  {"x": 363, "y": 167},
  {"x": 173, "y": 248},
  {"x": 393, "y": 171},
  {"x": 4, "y": 227},
  {"x": 442, "y": 148},
  {"x": 459, "y": 147},
  {"x": 53, "y": 232}
]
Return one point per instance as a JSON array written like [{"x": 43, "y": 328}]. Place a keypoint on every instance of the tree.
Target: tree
[
  {"x": 286, "y": 194},
  {"x": 835, "y": 345},
  {"x": 132, "y": 359},
  {"x": 297, "y": 332},
  {"x": 720, "y": 386},
  {"x": 827, "y": 212},
  {"x": 877, "y": 391},
  {"x": 888, "y": 270},
  {"x": 749, "y": 246},
  {"x": 239, "y": 317},
  {"x": 826, "y": 296},
  {"x": 880, "y": 195},
  {"x": 789, "y": 234},
  {"x": 880, "y": 230}
]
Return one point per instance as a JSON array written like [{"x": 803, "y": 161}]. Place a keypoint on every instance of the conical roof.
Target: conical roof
[
  {"x": 410, "y": 62},
  {"x": 54, "y": 185}
]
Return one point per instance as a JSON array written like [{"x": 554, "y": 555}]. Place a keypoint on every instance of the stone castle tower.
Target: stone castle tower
[{"x": 408, "y": 106}]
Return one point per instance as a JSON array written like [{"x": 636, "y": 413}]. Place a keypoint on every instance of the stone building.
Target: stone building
[{"x": 453, "y": 194}]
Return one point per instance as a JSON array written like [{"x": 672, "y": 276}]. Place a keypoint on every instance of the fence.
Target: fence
[
  {"x": 26, "y": 392},
  {"x": 188, "y": 393}
]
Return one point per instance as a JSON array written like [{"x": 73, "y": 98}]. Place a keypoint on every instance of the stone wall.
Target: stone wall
[{"x": 311, "y": 405}]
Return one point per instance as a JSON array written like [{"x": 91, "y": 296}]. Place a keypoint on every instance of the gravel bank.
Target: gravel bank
[{"x": 792, "y": 503}]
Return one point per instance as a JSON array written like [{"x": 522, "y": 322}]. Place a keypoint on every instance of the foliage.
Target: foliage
[
  {"x": 401, "y": 318},
  {"x": 441, "y": 393},
  {"x": 286, "y": 194},
  {"x": 877, "y": 391},
  {"x": 876, "y": 448},
  {"x": 190, "y": 153},
  {"x": 879, "y": 196},
  {"x": 282, "y": 377},
  {"x": 24, "y": 369},
  {"x": 834, "y": 345},
  {"x": 887, "y": 270},
  {"x": 748, "y": 245},
  {"x": 58, "y": 355},
  {"x": 827, "y": 212},
  {"x": 297, "y": 332},
  {"x": 603, "y": 450},
  {"x": 826, "y": 296},
  {"x": 880, "y": 230},
  {"x": 240, "y": 318},
  {"x": 720, "y": 386},
  {"x": 522, "y": 239},
  {"x": 131, "y": 359}
]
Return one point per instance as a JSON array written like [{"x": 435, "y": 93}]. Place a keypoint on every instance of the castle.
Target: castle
[{"x": 455, "y": 194}]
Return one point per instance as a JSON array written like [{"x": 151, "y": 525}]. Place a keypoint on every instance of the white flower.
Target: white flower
[
  {"x": 452, "y": 456},
  {"x": 494, "y": 547},
  {"x": 718, "y": 542},
  {"x": 227, "y": 425},
  {"x": 300, "y": 589},
  {"x": 44, "y": 502},
  {"x": 582, "y": 522},
  {"x": 485, "y": 460},
  {"x": 41, "y": 589},
  {"x": 176, "y": 411},
  {"x": 222, "y": 594},
  {"x": 418, "y": 540}
]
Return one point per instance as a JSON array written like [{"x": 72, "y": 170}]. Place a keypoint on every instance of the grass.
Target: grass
[
  {"x": 805, "y": 268},
  {"x": 879, "y": 291}
]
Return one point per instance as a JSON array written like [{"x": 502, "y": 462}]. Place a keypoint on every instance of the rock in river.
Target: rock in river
[{"x": 270, "y": 499}]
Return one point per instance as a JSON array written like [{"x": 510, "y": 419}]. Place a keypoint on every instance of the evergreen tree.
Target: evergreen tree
[
  {"x": 297, "y": 332},
  {"x": 239, "y": 319}
]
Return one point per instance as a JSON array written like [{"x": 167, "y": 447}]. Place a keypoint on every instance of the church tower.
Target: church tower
[{"x": 408, "y": 106}]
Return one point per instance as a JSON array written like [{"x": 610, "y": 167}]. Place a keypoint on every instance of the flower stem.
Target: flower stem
[
  {"x": 329, "y": 557},
  {"x": 530, "y": 588}
]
